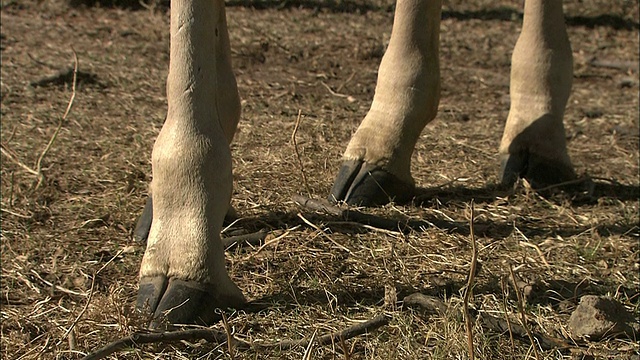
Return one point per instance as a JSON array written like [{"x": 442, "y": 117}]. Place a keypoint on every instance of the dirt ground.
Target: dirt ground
[{"x": 69, "y": 261}]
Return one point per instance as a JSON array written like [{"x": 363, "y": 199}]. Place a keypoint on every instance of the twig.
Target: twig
[
  {"x": 333, "y": 92},
  {"x": 345, "y": 350},
  {"x": 470, "y": 282},
  {"x": 522, "y": 314},
  {"x": 348, "y": 333},
  {"x": 227, "y": 330},
  {"x": 57, "y": 287},
  {"x": 307, "y": 351},
  {"x": 275, "y": 240},
  {"x": 564, "y": 183},
  {"x": 295, "y": 148},
  {"x": 38, "y": 170}
]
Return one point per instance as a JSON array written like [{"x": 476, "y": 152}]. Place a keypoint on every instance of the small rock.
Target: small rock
[{"x": 599, "y": 316}]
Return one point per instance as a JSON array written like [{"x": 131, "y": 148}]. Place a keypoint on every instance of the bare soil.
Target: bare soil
[{"x": 68, "y": 257}]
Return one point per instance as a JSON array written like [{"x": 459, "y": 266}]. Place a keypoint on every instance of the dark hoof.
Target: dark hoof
[
  {"x": 539, "y": 171},
  {"x": 361, "y": 184},
  {"x": 143, "y": 226},
  {"x": 177, "y": 301}
]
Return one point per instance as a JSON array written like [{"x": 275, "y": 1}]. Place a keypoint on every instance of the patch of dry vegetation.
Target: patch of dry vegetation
[{"x": 68, "y": 261}]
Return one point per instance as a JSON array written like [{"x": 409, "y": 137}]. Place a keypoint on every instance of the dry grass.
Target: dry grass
[{"x": 326, "y": 277}]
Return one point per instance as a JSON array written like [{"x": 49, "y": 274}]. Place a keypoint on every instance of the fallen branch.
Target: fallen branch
[
  {"x": 255, "y": 238},
  {"x": 164, "y": 337},
  {"x": 324, "y": 206},
  {"x": 222, "y": 337}
]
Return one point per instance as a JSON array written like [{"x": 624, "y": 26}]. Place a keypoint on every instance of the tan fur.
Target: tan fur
[
  {"x": 191, "y": 159},
  {"x": 407, "y": 92},
  {"x": 541, "y": 77}
]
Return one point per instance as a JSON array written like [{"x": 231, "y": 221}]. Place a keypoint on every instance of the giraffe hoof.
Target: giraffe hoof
[
  {"x": 538, "y": 170},
  {"x": 362, "y": 184},
  {"x": 176, "y": 301}
]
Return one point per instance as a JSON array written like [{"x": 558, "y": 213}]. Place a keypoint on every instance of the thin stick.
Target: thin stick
[
  {"x": 348, "y": 333},
  {"x": 15, "y": 214},
  {"x": 307, "y": 352},
  {"x": 323, "y": 233},
  {"x": 86, "y": 305},
  {"x": 534, "y": 246},
  {"x": 61, "y": 122},
  {"x": 295, "y": 148},
  {"x": 470, "y": 282},
  {"x": 522, "y": 314}
]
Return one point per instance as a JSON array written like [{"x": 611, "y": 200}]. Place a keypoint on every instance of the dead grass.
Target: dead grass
[{"x": 322, "y": 278}]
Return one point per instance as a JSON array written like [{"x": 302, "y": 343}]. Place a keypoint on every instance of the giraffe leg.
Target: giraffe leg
[
  {"x": 376, "y": 163},
  {"x": 533, "y": 144},
  {"x": 182, "y": 276}
]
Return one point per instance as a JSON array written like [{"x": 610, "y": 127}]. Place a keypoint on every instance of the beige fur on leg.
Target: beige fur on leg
[
  {"x": 407, "y": 92},
  {"x": 192, "y": 180},
  {"x": 541, "y": 77}
]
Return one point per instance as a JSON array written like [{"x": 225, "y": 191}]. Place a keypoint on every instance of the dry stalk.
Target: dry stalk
[
  {"x": 38, "y": 168},
  {"x": 307, "y": 351},
  {"x": 227, "y": 330},
  {"x": 61, "y": 122},
  {"x": 528, "y": 243},
  {"x": 523, "y": 316},
  {"x": 470, "y": 282},
  {"x": 348, "y": 333},
  {"x": 86, "y": 305},
  {"x": 295, "y": 148},
  {"x": 505, "y": 295},
  {"x": 345, "y": 350}
]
